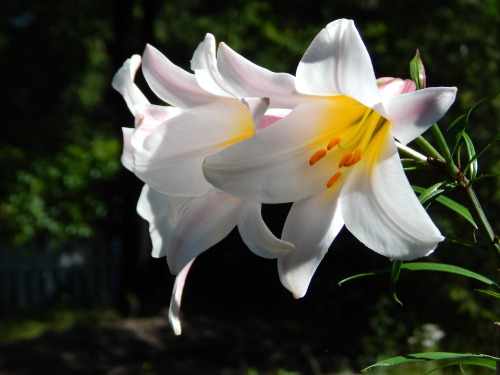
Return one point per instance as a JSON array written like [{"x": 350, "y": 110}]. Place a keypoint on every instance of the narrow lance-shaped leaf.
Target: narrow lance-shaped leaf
[
  {"x": 455, "y": 131},
  {"x": 488, "y": 292},
  {"x": 480, "y": 153},
  {"x": 431, "y": 356},
  {"x": 452, "y": 205},
  {"x": 395, "y": 270},
  {"x": 424, "y": 266},
  {"x": 487, "y": 175},
  {"x": 471, "y": 166},
  {"x": 488, "y": 363},
  {"x": 461, "y": 241},
  {"x": 430, "y": 192}
]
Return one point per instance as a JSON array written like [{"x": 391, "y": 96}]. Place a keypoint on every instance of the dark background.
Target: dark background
[{"x": 62, "y": 181}]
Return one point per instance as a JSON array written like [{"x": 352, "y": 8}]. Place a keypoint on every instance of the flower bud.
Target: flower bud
[{"x": 417, "y": 71}]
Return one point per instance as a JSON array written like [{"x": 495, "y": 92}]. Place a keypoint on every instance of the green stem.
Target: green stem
[
  {"x": 469, "y": 196},
  {"x": 438, "y": 135},
  {"x": 484, "y": 227},
  {"x": 417, "y": 156},
  {"x": 428, "y": 148}
]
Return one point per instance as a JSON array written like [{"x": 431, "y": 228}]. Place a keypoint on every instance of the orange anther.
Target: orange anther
[
  {"x": 317, "y": 156},
  {"x": 354, "y": 159},
  {"x": 334, "y": 142},
  {"x": 333, "y": 179},
  {"x": 345, "y": 159}
]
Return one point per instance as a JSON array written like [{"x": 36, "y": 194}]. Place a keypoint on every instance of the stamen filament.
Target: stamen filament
[
  {"x": 372, "y": 123},
  {"x": 333, "y": 179},
  {"x": 317, "y": 156},
  {"x": 358, "y": 133}
]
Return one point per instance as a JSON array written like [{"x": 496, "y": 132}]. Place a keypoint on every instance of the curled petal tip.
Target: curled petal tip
[{"x": 296, "y": 296}]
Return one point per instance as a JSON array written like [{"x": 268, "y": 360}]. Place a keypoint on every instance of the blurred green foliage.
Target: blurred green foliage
[
  {"x": 60, "y": 148},
  {"x": 62, "y": 121}
]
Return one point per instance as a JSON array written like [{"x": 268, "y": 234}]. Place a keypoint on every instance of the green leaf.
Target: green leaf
[
  {"x": 431, "y": 356},
  {"x": 451, "y": 204},
  {"x": 471, "y": 153},
  {"x": 395, "y": 270},
  {"x": 481, "y": 362},
  {"x": 461, "y": 241},
  {"x": 412, "y": 164},
  {"x": 428, "y": 266},
  {"x": 360, "y": 275},
  {"x": 441, "y": 267},
  {"x": 455, "y": 131},
  {"x": 476, "y": 156},
  {"x": 488, "y": 292},
  {"x": 487, "y": 175},
  {"x": 431, "y": 192}
]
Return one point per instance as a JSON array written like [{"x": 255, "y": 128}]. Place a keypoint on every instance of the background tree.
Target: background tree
[{"x": 62, "y": 180}]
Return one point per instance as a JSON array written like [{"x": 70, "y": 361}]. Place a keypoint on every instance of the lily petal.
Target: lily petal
[
  {"x": 271, "y": 116},
  {"x": 127, "y": 157},
  {"x": 123, "y": 82},
  {"x": 171, "y": 162},
  {"x": 171, "y": 83},
  {"x": 175, "y": 302},
  {"x": 204, "y": 65},
  {"x": 273, "y": 165},
  {"x": 162, "y": 212},
  {"x": 257, "y": 236},
  {"x": 249, "y": 80},
  {"x": 208, "y": 219},
  {"x": 257, "y": 108},
  {"x": 389, "y": 87},
  {"x": 382, "y": 211},
  {"x": 150, "y": 116},
  {"x": 413, "y": 113},
  {"x": 312, "y": 235},
  {"x": 337, "y": 63}
]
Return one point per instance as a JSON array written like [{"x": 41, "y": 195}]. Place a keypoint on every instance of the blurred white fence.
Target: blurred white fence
[{"x": 83, "y": 274}]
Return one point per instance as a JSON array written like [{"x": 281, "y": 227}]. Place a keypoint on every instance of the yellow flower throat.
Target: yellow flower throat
[{"x": 349, "y": 133}]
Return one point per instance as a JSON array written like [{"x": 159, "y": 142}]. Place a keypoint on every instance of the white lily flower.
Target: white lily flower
[
  {"x": 183, "y": 226},
  {"x": 213, "y": 117},
  {"x": 336, "y": 157}
]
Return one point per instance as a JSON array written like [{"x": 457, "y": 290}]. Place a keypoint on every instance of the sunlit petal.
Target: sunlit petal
[
  {"x": 173, "y": 154},
  {"x": 208, "y": 219},
  {"x": 257, "y": 108},
  {"x": 311, "y": 226},
  {"x": 382, "y": 211},
  {"x": 150, "y": 116},
  {"x": 388, "y": 87},
  {"x": 249, "y": 80},
  {"x": 257, "y": 236},
  {"x": 175, "y": 302},
  {"x": 204, "y": 65},
  {"x": 127, "y": 157},
  {"x": 123, "y": 82},
  {"x": 337, "y": 63},
  {"x": 413, "y": 113},
  {"x": 271, "y": 116},
  {"x": 162, "y": 212},
  {"x": 171, "y": 83},
  {"x": 273, "y": 165}
]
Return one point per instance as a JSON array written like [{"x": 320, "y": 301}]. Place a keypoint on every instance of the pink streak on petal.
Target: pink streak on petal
[
  {"x": 395, "y": 86},
  {"x": 271, "y": 116}
]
